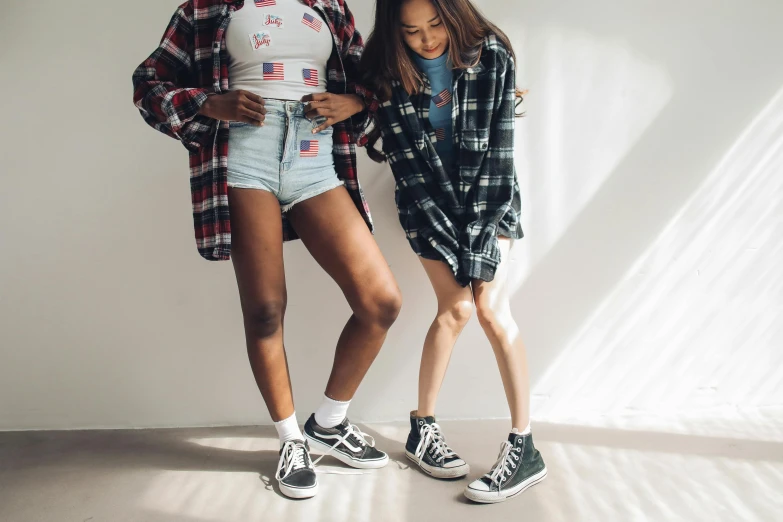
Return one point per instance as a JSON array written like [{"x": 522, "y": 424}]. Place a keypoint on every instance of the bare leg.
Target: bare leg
[
  {"x": 257, "y": 254},
  {"x": 455, "y": 304},
  {"x": 494, "y": 313},
  {"x": 339, "y": 240}
]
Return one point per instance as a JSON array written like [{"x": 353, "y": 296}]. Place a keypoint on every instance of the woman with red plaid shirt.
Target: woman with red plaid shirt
[{"x": 264, "y": 96}]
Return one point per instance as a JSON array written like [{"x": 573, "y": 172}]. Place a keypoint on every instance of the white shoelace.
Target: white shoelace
[
  {"x": 507, "y": 460},
  {"x": 360, "y": 436},
  {"x": 432, "y": 440},
  {"x": 292, "y": 459}
]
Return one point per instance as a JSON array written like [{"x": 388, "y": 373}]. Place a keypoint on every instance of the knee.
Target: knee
[
  {"x": 388, "y": 304},
  {"x": 487, "y": 316},
  {"x": 457, "y": 315},
  {"x": 382, "y": 306},
  {"x": 265, "y": 319}
]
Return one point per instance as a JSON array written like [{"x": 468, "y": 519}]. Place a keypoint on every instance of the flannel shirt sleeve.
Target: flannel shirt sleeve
[
  {"x": 160, "y": 84},
  {"x": 352, "y": 50},
  {"x": 497, "y": 175},
  {"x": 503, "y": 123}
]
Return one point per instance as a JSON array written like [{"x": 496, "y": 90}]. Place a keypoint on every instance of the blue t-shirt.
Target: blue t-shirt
[{"x": 441, "y": 78}]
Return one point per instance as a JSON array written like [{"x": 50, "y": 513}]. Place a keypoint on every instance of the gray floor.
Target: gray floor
[{"x": 227, "y": 474}]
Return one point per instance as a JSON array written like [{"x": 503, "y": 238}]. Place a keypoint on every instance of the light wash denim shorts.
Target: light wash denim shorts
[{"x": 283, "y": 157}]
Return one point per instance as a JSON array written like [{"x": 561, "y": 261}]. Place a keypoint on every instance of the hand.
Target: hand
[
  {"x": 334, "y": 107},
  {"x": 239, "y": 105}
]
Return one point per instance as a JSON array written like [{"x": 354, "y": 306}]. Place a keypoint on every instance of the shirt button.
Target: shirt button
[{"x": 484, "y": 146}]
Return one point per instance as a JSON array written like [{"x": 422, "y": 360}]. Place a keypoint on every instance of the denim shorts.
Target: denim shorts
[{"x": 283, "y": 157}]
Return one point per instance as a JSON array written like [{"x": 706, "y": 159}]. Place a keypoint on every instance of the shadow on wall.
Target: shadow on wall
[
  {"x": 622, "y": 130},
  {"x": 693, "y": 329}
]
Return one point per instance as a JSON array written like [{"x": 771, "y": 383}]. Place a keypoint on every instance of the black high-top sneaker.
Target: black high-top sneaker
[
  {"x": 427, "y": 448},
  {"x": 519, "y": 466},
  {"x": 295, "y": 471},
  {"x": 346, "y": 443}
]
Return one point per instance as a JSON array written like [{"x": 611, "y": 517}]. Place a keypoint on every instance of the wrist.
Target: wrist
[
  {"x": 360, "y": 105},
  {"x": 206, "y": 107}
]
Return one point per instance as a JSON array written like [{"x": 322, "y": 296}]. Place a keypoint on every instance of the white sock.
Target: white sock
[
  {"x": 288, "y": 429},
  {"x": 331, "y": 412},
  {"x": 526, "y": 431}
]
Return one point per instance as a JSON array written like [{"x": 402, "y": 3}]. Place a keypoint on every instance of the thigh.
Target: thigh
[
  {"x": 494, "y": 294},
  {"x": 338, "y": 239},
  {"x": 447, "y": 290},
  {"x": 257, "y": 246}
]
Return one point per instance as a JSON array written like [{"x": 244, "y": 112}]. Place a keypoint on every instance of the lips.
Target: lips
[{"x": 432, "y": 50}]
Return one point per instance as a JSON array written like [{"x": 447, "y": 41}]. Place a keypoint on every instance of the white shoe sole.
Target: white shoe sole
[
  {"x": 345, "y": 459},
  {"x": 438, "y": 472},
  {"x": 298, "y": 493},
  {"x": 493, "y": 497}
]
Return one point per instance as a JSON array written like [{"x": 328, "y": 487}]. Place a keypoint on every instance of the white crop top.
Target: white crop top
[{"x": 278, "y": 49}]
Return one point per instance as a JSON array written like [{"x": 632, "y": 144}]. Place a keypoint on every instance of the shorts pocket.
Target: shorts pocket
[{"x": 319, "y": 120}]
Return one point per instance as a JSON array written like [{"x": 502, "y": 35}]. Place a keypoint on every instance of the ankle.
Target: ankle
[
  {"x": 288, "y": 429},
  {"x": 331, "y": 412},
  {"x": 423, "y": 412}
]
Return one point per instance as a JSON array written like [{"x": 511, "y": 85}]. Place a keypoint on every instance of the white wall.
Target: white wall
[{"x": 649, "y": 287}]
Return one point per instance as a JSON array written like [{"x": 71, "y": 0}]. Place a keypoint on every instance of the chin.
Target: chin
[{"x": 437, "y": 53}]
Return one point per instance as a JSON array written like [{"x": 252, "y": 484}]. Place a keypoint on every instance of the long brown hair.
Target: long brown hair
[{"x": 387, "y": 57}]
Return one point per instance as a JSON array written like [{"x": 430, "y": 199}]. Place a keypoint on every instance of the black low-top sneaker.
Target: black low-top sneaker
[
  {"x": 346, "y": 443},
  {"x": 519, "y": 466},
  {"x": 427, "y": 448},
  {"x": 295, "y": 471}
]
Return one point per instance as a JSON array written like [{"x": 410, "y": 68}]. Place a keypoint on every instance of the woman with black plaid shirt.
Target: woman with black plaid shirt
[{"x": 445, "y": 78}]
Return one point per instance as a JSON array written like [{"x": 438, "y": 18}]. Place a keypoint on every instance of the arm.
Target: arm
[
  {"x": 359, "y": 102},
  {"x": 159, "y": 84},
  {"x": 501, "y": 131},
  {"x": 495, "y": 188}
]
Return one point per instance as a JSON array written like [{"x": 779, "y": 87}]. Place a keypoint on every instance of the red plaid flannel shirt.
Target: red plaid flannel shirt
[{"x": 191, "y": 61}]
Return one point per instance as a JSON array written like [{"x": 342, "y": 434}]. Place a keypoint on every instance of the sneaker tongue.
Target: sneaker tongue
[
  {"x": 418, "y": 422},
  {"x": 304, "y": 442},
  {"x": 427, "y": 420},
  {"x": 344, "y": 424}
]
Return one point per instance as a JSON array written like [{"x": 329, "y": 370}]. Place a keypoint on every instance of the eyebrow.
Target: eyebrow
[{"x": 428, "y": 21}]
